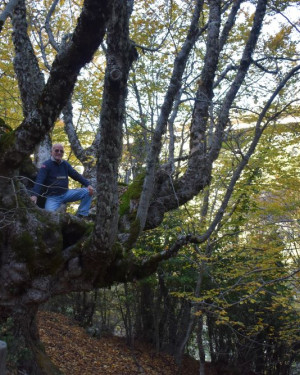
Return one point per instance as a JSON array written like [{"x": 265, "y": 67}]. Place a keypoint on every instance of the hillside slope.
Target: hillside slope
[{"x": 76, "y": 353}]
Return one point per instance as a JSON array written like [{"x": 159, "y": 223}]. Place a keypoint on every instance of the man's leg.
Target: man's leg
[
  {"x": 82, "y": 195},
  {"x": 53, "y": 202}
]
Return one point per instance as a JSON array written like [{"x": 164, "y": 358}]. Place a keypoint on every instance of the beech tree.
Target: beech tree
[{"x": 45, "y": 254}]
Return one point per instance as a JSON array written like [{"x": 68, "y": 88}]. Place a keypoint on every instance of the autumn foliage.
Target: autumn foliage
[{"x": 74, "y": 352}]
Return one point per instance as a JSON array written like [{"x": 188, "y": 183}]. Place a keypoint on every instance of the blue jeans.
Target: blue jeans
[{"x": 53, "y": 202}]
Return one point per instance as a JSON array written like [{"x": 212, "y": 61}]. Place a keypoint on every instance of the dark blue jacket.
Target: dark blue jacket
[{"x": 52, "y": 178}]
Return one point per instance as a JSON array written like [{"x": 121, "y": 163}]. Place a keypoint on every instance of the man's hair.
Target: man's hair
[{"x": 55, "y": 145}]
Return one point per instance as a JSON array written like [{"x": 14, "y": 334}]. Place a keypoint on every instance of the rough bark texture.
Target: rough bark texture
[
  {"x": 44, "y": 254},
  {"x": 120, "y": 55},
  {"x": 30, "y": 78}
]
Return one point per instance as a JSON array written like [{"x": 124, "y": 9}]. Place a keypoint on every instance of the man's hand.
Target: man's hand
[
  {"x": 33, "y": 198},
  {"x": 90, "y": 189}
]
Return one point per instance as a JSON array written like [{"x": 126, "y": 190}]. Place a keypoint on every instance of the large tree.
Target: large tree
[{"x": 45, "y": 254}]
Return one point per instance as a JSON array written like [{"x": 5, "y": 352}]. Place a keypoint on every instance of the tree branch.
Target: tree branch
[
  {"x": 47, "y": 25},
  {"x": 174, "y": 86},
  {"x": 239, "y": 78},
  {"x": 7, "y": 11},
  {"x": 30, "y": 78}
]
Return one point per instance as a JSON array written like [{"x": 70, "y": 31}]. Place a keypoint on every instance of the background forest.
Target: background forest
[{"x": 185, "y": 116}]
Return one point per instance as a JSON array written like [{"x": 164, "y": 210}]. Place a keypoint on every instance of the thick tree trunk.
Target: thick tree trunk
[
  {"x": 120, "y": 55},
  {"x": 23, "y": 342}
]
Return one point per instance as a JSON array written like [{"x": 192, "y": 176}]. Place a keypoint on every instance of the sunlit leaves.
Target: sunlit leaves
[{"x": 10, "y": 103}]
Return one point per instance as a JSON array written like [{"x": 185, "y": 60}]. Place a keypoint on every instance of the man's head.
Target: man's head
[{"x": 57, "y": 152}]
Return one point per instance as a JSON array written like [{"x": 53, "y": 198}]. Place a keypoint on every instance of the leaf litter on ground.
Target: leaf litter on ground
[{"x": 74, "y": 352}]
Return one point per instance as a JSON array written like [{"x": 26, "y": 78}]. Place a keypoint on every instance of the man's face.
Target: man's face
[{"x": 57, "y": 152}]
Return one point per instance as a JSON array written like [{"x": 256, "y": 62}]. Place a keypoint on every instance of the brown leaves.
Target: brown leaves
[{"x": 76, "y": 353}]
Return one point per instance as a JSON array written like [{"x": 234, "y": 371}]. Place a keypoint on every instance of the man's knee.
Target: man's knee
[
  {"x": 52, "y": 205},
  {"x": 51, "y": 209},
  {"x": 85, "y": 193}
]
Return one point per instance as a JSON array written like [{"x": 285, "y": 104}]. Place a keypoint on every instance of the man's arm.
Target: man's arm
[
  {"x": 78, "y": 177},
  {"x": 40, "y": 179}
]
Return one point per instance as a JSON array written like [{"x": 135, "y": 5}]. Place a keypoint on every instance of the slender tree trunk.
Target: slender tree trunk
[
  {"x": 162, "y": 325},
  {"x": 212, "y": 350},
  {"x": 157, "y": 315},
  {"x": 192, "y": 317},
  {"x": 201, "y": 346},
  {"x": 130, "y": 333},
  {"x": 147, "y": 315},
  {"x": 187, "y": 325}
]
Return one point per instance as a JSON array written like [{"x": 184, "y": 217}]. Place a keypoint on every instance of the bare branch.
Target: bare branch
[
  {"x": 7, "y": 12},
  {"x": 47, "y": 25},
  {"x": 71, "y": 131},
  {"x": 229, "y": 23}
]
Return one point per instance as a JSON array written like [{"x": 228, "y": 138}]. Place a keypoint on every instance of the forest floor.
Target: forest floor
[{"x": 74, "y": 352}]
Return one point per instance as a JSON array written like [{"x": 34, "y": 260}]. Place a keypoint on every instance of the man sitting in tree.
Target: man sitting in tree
[{"x": 54, "y": 177}]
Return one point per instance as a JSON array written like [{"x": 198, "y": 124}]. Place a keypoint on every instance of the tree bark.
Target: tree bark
[
  {"x": 201, "y": 346},
  {"x": 120, "y": 56},
  {"x": 25, "y": 347},
  {"x": 30, "y": 79}
]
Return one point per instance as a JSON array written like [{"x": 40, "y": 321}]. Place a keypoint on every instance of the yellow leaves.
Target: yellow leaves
[
  {"x": 178, "y": 229},
  {"x": 223, "y": 313},
  {"x": 238, "y": 324},
  {"x": 224, "y": 320},
  {"x": 59, "y": 124},
  {"x": 280, "y": 40}
]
